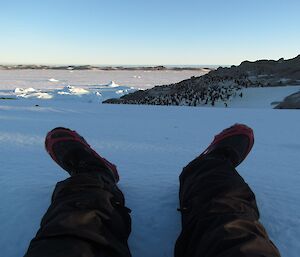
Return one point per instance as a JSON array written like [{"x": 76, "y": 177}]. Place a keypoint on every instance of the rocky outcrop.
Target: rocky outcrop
[
  {"x": 290, "y": 102},
  {"x": 219, "y": 85},
  {"x": 288, "y": 69}
]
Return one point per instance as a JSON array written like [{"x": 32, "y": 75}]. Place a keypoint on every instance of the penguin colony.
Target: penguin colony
[{"x": 208, "y": 91}]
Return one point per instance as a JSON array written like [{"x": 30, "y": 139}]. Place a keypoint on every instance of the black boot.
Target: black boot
[{"x": 70, "y": 151}]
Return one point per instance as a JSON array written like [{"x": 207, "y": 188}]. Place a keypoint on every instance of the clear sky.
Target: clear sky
[{"x": 148, "y": 32}]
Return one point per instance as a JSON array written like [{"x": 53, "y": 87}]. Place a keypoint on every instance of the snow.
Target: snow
[
  {"x": 150, "y": 145},
  {"x": 284, "y": 80},
  {"x": 70, "y": 90},
  {"x": 120, "y": 91},
  {"x": 31, "y": 93},
  {"x": 265, "y": 97},
  {"x": 95, "y": 93},
  {"x": 112, "y": 84},
  {"x": 53, "y": 80}
]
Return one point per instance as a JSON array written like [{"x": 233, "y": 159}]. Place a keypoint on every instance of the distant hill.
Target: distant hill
[
  {"x": 90, "y": 67},
  {"x": 218, "y": 85}
]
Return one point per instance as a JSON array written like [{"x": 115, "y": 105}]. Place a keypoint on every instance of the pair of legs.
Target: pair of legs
[{"x": 87, "y": 216}]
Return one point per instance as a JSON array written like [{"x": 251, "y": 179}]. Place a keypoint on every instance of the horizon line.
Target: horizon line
[{"x": 114, "y": 65}]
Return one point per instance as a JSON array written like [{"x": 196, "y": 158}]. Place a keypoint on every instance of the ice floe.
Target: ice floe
[
  {"x": 92, "y": 93},
  {"x": 71, "y": 90},
  {"x": 113, "y": 84},
  {"x": 31, "y": 93},
  {"x": 53, "y": 80}
]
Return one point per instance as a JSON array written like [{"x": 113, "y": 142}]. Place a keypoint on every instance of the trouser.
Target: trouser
[
  {"x": 87, "y": 217},
  {"x": 219, "y": 213}
]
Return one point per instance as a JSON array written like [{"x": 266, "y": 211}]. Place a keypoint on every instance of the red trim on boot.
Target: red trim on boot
[
  {"x": 49, "y": 142},
  {"x": 236, "y": 129}
]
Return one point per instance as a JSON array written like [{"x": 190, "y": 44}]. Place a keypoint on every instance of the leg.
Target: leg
[
  {"x": 219, "y": 211},
  {"x": 87, "y": 216}
]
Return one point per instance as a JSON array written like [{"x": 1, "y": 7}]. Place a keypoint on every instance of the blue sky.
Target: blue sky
[{"x": 148, "y": 32}]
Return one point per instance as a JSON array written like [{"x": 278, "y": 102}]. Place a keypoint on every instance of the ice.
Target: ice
[
  {"x": 70, "y": 90},
  {"x": 96, "y": 93},
  {"x": 53, "y": 80},
  {"x": 120, "y": 92},
  {"x": 10, "y": 79},
  {"x": 112, "y": 84},
  {"x": 31, "y": 93},
  {"x": 24, "y": 90}
]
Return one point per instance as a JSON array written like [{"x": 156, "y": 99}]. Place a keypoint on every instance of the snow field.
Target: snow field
[{"x": 150, "y": 145}]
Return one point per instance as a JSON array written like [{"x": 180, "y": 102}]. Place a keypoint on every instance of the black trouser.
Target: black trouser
[
  {"x": 219, "y": 213},
  {"x": 87, "y": 217}
]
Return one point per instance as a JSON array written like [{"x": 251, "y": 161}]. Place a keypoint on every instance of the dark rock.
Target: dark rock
[{"x": 290, "y": 102}]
